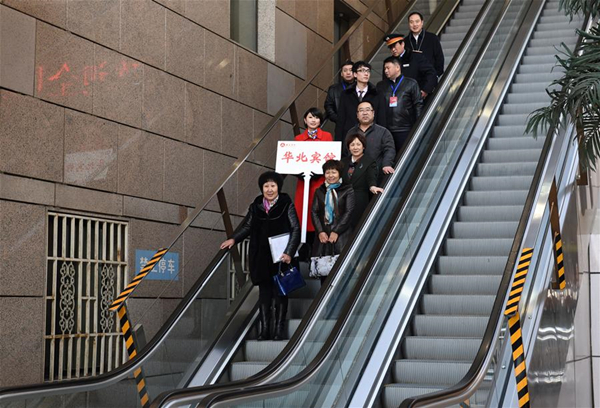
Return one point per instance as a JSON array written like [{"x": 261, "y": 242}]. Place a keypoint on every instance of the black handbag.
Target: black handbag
[{"x": 288, "y": 281}]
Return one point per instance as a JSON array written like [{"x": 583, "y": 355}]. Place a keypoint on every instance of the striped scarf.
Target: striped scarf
[
  {"x": 331, "y": 201},
  {"x": 312, "y": 134},
  {"x": 268, "y": 205}
]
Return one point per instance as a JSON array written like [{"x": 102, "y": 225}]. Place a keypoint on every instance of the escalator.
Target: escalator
[
  {"x": 438, "y": 343},
  {"x": 454, "y": 310},
  {"x": 194, "y": 336}
]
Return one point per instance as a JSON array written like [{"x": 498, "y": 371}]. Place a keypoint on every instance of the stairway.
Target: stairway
[
  {"x": 454, "y": 309},
  {"x": 451, "y": 38},
  {"x": 253, "y": 356}
]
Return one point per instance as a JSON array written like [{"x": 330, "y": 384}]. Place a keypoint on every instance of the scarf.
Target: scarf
[
  {"x": 312, "y": 134},
  {"x": 268, "y": 205},
  {"x": 331, "y": 201}
]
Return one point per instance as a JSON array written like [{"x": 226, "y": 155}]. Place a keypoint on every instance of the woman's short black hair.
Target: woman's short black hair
[
  {"x": 270, "y": 176},
  {"x": 355, "y": 135},
  {"x": 316, "y": 112},
  {"x": 333, "y": 165}
]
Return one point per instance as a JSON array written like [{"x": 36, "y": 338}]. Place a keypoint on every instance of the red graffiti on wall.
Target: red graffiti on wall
[{"x": 69, "y": 81}]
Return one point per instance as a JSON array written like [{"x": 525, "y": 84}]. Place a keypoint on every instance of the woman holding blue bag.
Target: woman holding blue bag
[{"x": 271, "y": 214}]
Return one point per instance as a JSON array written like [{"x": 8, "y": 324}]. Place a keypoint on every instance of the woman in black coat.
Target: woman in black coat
[
  {"x": 271, "y": 214},
  {"x": 360, "y": 171},
  {"x": 332, "y": 210}
]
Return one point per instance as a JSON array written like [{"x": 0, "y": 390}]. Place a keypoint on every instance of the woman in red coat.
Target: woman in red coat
[{"x": 312, "y": 119}]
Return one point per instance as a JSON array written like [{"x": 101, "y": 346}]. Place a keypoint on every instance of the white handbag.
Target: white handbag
[{"x": 320, "y": 266}]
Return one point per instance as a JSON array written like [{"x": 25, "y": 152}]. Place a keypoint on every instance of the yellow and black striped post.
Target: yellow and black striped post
[
  {"x": 561, "y": 282},
  {"x": 514, "y": 326},
  {"x": 138, "y": 278},
  {"x": 138, "y": 374}
]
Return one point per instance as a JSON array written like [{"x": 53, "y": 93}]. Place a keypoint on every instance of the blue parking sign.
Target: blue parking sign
[{"x": 166, "y": 269}]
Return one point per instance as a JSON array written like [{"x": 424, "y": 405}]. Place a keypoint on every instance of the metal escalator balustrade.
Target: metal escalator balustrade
[{"x": 444, "y": 156}]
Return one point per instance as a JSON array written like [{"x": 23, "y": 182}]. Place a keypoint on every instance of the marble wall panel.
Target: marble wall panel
[
  {"x": 175, "y": 5},
  {"x": 150, "y": 210},
  {"x": 22, "y": 249},
  {"x": 31, "y": 136},
  {"x": 317, "y": 51},
  {"x": 163, "y": 103},
  {"x": 82, "y": 199},
  {"x": 237, "y": 127},
  {"x": 64, "y": 69},
  {"x": 141, "y": 163},
  {"x": 288, "y": 6},
  {"x": 265, "y": 152},
  {"x": 96, "y": 20},
  {"x": 248, "y": 188},
  {"x": 217, "y": 166},
  {"x": 290, "y": 46},
  {"x": 118, "y": 87},
  {"x": 143, "y": 31},
  {"x": 325, "y": 18},
  {"x": 280, "y": 88},
  {"x": 185, "y": 49},
  {"x": 26, "y": 190},
  {"x": 17, "y": 50},
  {"x": 21, "y": 348},
  {"x": 220, "y": 65},
  {"x": 184, "y": 171},
  {"x": 90, "y": 151},
  {"x": 203, "y": 117},
  {"x": 217, "y": 20},
  {"x": 200, "y": 247},
  {"x": 251, "y": 78},
  {"x": 52, "y": 11},
  {"x": 307, "y": 13}
]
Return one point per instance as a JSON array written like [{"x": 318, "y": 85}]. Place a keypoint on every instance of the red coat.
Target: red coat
[{"x": 314, "y": 183}]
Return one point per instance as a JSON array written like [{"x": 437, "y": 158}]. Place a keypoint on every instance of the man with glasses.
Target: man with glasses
[
  {"x": 403, "y": 101},
  {"x": 334, "y": 93},
  {"x": 424, "y": 42},
  {"x": 380, "y": 144},
  {"x": 361, "y": 90},
  {"x": 414, "y": 65}
]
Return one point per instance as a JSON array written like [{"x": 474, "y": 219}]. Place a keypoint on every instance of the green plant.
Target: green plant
[{"x": 575, "y": 97}]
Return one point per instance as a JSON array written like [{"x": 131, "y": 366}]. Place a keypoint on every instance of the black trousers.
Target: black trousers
[{"x": 400, "y": 139}]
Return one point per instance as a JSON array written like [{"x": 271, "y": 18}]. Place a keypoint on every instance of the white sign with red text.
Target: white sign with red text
[{"x": 305, "y": 157}]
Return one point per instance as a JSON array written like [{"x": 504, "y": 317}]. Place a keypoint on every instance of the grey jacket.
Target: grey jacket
[{"x": 380, "y": 145}]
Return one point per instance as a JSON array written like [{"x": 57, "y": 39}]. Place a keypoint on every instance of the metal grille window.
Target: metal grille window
[{"x": 87, "y": 267}]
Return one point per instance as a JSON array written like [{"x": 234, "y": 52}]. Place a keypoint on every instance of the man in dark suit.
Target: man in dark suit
[
  {"x": 334, "y": 93},
  {"x": 361, "y": 90},
  {"x": 424, "y": 42},
  {"x": 414, "y": 65}
]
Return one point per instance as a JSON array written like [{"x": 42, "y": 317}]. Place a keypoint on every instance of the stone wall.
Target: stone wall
[{"x": 133, "y": 110}]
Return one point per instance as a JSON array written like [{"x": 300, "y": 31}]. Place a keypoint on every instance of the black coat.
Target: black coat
[
  {"x": 409, "y": 105},
  {"x": 332, "y": 102},
  {"x": 363, "y": 178},
  {"x": 259, "y": 226},
  {"x": 342, "y": 219},
  {"x": 429, "y": 44},
  {"x": 417, "y": 67},
  {"x": 347, "y": 116}
]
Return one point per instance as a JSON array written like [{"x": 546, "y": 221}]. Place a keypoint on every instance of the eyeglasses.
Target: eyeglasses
[
  {"x": 362, "y": 110},
  {"x": 364, "y": 70}
]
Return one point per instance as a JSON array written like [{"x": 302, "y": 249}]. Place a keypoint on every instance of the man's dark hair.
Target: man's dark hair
[
  {"x": 355, "y": 135},
  {"x": 333, "y": 165},
  {"x": 316, "y": 112},
  {"x": 270, "y": 176},
  {"x": 363, "y": 101},
  {"x": 360, "y": 64},
  {"x": 413, "y": 13},
  {"x": 347, "y": 62},
  {"x": 393, "y": 60}
]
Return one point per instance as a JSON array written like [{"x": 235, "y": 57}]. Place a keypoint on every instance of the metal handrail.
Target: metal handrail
[
  {"x": 86, "y": 384},
  {"x": 473, "y": 378},
  {"x": 188, "y": 396}
]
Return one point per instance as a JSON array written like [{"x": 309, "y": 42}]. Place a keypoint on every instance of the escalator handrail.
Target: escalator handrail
[
  {"x": 40, "y": 390},
  {"x": 308, "y": 372},
  {"x": 473, "y": 378}
]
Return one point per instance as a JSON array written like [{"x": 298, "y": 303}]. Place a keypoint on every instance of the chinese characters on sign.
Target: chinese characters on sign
[
  {"x": 304, "y": 157},
  {"x": 166, "y": 269}
]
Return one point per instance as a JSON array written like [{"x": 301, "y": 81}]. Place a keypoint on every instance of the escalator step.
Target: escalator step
[
  {"x": 510, "y": 169},
  {"x": 520, "y": 143},
  {"x": 490, "y": 213},
  {"x": 472, "y": 265},
  {"x": 465, "y": 284},
  {"x": 440, "y": 348},
  {"x": 501, "y": 183},
  {"x": 449, "y": 326},
  {"x": 500, "y": 229},
  {"x": 508, "y": 156},
  {"x": 500, "y": 197},
  {"x": 479, "y": 305},
  {"x": 444, "y": 373},
  {"x": 394, "y": 394},
  {"x": 477, "y": 247}
]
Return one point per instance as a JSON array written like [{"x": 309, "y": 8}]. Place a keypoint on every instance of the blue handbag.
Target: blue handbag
[{"x": 288, "y": 281}]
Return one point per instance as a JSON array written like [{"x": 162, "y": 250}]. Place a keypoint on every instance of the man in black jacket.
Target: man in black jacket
[
  {"x": 414, "y": 65},
  {"x": 424, "y": 42},
  {"x": 361, "y": 90},
  {"x": 403, "y": 102},
  {"x": 334, "y": 93}
]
